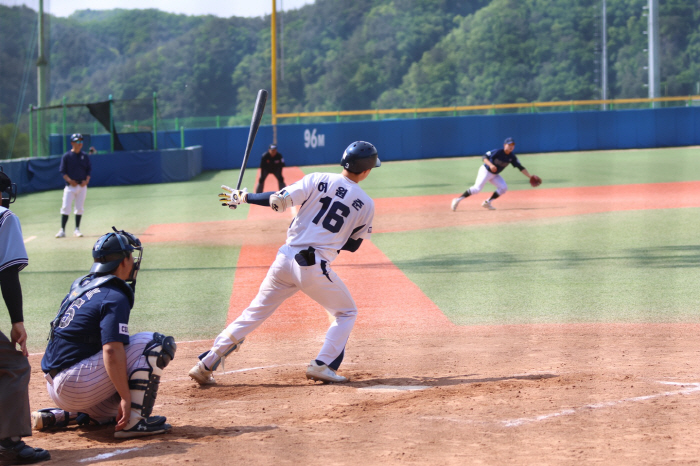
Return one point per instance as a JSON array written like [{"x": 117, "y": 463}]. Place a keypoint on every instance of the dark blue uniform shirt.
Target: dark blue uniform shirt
[
  {"x": 98, "y": 317},
  {"x": 500, "y": 159},
  {"x": 76, "y": 166}
]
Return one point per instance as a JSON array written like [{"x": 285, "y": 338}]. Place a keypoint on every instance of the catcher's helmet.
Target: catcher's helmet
[
  {"x": 360, "y": 156},
  {"x": 114, "y": 247},
  {"x": 8, "y": 189}
]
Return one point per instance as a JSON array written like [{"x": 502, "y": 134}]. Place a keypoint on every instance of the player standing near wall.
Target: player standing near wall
[
  {"x": 334, "y": 214},
  {"x": 75, "y": 169},
  {"x": 14, "y": 366},
  {"x": 495, "y": 161}
]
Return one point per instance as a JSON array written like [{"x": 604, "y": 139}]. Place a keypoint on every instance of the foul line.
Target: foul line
[
  {"x": 694, "y": 388},
  {"x": 606, "y": 404},
  {"x": 29, "y": 239},
  {"x": 105, "y": 456}
]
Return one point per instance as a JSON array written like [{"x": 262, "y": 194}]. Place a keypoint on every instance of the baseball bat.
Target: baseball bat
[{"x": 254, "y": 125}]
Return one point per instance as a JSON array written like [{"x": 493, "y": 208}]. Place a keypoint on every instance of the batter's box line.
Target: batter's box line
[
  {"x": 247, "y": 369},
  {"x": 693, "y": 388}
]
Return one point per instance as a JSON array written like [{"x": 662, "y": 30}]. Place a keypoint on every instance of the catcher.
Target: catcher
[
  {"x": 495, "y": 161},
  {"x": 95, "y": 370}
]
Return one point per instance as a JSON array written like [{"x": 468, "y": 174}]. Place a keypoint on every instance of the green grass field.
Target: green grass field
[{"x": 610, "y": 267}]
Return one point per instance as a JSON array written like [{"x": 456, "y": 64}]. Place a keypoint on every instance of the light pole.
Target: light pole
[
  {"x": 653, "y": 33},
  {"x": 273, "y": 52}
]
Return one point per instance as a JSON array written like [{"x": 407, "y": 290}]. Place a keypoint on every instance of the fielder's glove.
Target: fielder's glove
[
  {"x": 232, "y": 198},
  {"x": 535, "y": 181}
]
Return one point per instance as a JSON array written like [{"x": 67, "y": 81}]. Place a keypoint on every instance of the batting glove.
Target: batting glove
[{"x": 231, "y": 197}]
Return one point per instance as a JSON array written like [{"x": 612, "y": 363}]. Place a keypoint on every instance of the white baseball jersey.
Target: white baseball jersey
[{"x": 333, "y": 209}]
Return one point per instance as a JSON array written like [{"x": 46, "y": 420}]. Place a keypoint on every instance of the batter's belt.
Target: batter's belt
[{"x": 306, "y": 258}]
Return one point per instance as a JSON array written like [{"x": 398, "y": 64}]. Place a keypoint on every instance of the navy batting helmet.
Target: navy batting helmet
[
  {"x": 114, "y": 247},
  {"x": 360, "y": 156},
  {"x": 8, "y": 189}
]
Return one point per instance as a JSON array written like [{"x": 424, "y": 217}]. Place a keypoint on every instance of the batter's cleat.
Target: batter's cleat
[
  {"x": 61, "y": 233},
  {"x": 455, "y": 202},
  {"x": 77, "y": 233},
  {"x": 153, "y": 425},
  {"x": 487, "y": 205},
  {"x": 202, "y": 375},
  {"x": 323, "y": 373},
  {"x": 20, "y": 453}
]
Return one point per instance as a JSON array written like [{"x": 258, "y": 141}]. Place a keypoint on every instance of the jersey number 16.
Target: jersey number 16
[{"x": 335, "y": 217}]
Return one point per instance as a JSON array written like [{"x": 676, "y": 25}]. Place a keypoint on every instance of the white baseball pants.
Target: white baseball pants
[
  {"x": 483, "y": 176},
  {"x": 285, "y": 278},
  {"x": 72, "y": 194},
  {"x": 85, "y": 386}
]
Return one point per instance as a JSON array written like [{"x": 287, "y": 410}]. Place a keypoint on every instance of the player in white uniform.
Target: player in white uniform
[{"x": 334, "y": 214}]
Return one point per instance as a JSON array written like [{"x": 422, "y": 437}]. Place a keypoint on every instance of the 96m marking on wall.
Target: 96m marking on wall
[{"x": 313, "y": 140}]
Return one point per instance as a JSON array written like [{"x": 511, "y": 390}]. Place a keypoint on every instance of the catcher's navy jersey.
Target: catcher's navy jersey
[
  {"x": 500, "y": 159},
  {"x": 99, "y": 316}
]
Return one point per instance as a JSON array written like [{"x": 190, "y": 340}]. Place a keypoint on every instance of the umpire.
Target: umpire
[
  {"x": 14, "y": 366},
  {"x": 272, "y": 163}
]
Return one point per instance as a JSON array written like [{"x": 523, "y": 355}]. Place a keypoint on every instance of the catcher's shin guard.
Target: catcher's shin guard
[{"x": 143, "y": 383}]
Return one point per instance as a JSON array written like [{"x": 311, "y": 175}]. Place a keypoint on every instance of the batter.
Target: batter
[{"x": 334, "y": 214}]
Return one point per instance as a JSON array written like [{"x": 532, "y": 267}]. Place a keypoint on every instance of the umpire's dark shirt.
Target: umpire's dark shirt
[
  {"x": 272, "y": 163},
  {"x": 76, "y": 166}
]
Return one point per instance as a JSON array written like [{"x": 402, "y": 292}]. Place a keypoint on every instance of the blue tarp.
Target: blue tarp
[{"x": 114, "y": 169}]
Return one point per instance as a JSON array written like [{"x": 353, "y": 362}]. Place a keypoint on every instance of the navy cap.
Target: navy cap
[
  {"x": 273, "y": 146},
  {"x": 77, "y": 137},
  {"x": 508, "y": 141}
]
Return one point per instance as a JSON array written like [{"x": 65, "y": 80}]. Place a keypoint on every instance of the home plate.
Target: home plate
[{"x": 396, "y": 388}]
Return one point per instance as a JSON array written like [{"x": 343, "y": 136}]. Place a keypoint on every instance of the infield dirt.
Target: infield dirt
[{"x": 422, "y": 390}]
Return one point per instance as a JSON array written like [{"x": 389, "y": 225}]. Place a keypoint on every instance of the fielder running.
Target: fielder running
[
  {"x": 94, "y": 370},
  {"x": 334, "y": 214},
  {"x": 495, "y": 161}
]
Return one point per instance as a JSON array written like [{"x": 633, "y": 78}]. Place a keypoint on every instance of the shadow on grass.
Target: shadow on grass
[{"x": 662, "y": 257}]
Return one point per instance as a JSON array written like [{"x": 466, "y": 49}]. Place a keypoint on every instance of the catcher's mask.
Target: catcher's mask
[
  {"x": 8, "y": 189},
  {"x": 111, "y": 249},
  {"x": 360, "y": 156}
]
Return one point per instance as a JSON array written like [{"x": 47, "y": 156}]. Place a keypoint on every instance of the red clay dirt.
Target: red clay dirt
[{"x": 422, "y": 390}]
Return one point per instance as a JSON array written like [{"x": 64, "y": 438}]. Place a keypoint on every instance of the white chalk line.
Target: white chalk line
[
  {"x": 105, "y": 456},
  {"x": 694, "y": 387},
  {"x": 29, "y": 239},
  {"x": 606, "y": 404},
  {"x": 235, "y": 371}
]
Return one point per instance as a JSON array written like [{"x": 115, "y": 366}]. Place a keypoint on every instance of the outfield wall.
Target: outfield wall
[
  {"x": 409, "y": 139},
  {"x": 397, "y": 139},
  {"x": 121, "y": 168}
]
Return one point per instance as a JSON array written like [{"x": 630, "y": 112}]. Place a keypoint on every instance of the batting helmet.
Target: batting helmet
[
  {"x": 8, "y": 189},
  {"x": 360, "y": 156},
  {"x": 114, "y": 247}
]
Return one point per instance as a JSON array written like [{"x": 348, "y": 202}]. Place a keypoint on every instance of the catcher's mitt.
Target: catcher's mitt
[{"x": 535, "y": 181}]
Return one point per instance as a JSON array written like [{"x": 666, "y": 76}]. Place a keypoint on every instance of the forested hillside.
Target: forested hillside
[{"x": 344, "y": 55}]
